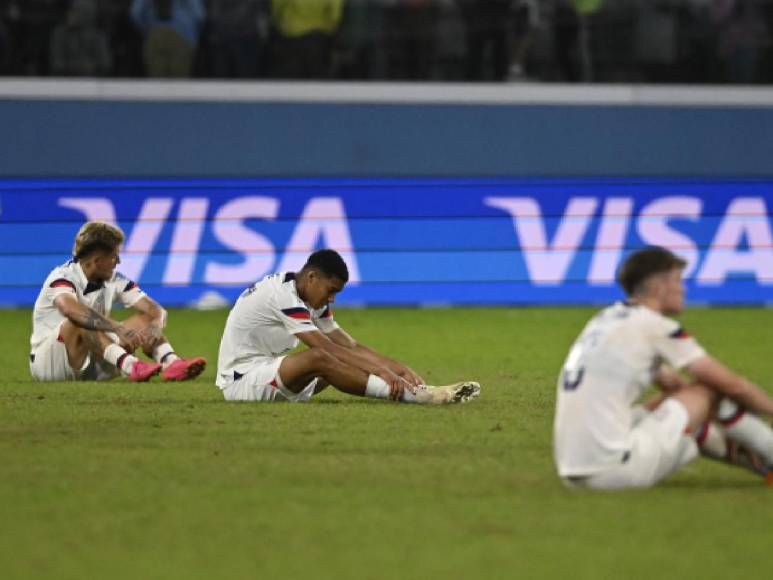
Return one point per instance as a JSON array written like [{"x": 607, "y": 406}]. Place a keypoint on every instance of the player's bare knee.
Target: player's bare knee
[
  {"x": 710, "y": 396},
  {"x": 322, "y": 360},
  {"x": 700, "y": 402},
  {"x": 70, "y": 333},
  {"x": 705, "y": 393}
]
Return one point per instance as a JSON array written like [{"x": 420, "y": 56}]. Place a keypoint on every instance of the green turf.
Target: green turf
[{"x": 165, "y": 481}]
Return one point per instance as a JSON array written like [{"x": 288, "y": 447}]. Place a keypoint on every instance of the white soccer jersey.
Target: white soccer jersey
[
  {"x": 607, "y": 370},
  {"x": 70, "y": 279},
  {"x": 263, "y": 323}
]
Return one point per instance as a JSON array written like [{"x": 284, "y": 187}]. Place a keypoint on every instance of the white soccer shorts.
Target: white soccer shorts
[
  {"x": 659, "y": 446},
  {"x": 262, "y": 383},
  {"x": 49, "y": 363}
]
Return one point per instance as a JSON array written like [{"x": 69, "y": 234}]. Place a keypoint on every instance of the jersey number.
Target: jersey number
[
  {"x": 573, "y": 368},
  {"x": 573, "y": 378}
]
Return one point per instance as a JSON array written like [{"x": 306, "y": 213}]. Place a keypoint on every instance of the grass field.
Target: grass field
[{"x": 127, "y": 481}]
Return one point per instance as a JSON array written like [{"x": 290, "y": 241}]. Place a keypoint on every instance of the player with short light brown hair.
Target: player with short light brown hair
[{"x": 73, "y": 336}]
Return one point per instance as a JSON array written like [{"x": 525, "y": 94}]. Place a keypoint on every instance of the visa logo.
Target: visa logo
[
  {"x": 323, "y": 222},
  {"x": 741, "y": 244}
]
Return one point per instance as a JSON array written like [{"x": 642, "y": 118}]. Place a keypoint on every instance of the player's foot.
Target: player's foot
[
  {"x": 184, "y": 369},
  {"x": 448, "y": 394},
  {"x": 142, "y": 371}
]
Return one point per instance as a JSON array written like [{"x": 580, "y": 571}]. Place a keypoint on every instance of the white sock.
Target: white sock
[
  {"x": 746, "y": 429},
  {"x": 409, "y": 397},
  {"x": 164, "y": 354},
  {"x": 376, "y": 388},
  {"x": 118, "y": 357},
  {"x": 711, "y": 441}
]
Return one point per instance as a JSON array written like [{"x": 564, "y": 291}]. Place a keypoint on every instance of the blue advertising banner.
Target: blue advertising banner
[{"x": 407, "y": 241}]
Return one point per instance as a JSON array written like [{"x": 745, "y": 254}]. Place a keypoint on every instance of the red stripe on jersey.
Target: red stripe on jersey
[
  {"x": 297, "y": 313},
  {"x": 328, "y": 312},
  {"x": 679, "y": 333},
  {"x": 61, "y": 283},
  {"x": 274, "y": 384},
  {"x": 300, "y": 315}
]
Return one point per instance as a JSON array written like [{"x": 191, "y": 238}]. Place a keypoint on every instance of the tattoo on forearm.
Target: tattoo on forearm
[{"x": 93, "y": 320}]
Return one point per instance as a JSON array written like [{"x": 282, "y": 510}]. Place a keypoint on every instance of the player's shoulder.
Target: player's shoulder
[
  {"x": 64, "y": 273},
  {"x": 283, "y": 284},
  {"x": 653, "y": 322},
  {"x": 274, "y": 289},
  {"x": 121, "y": 282},
  {"x": 277, "y": 280},
  {"x": 628, "y": 314},
  {"x": 616, "y": 312},
  {"x": 67, "y": 268}
]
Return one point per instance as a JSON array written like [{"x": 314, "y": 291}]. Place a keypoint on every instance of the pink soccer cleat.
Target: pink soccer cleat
[
  {"x": 142, "y": 371},
  {"x": 184, "y": 369}
]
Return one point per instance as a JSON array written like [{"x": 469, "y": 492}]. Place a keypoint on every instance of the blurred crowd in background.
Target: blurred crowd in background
[{"x": 625, "y": 41}]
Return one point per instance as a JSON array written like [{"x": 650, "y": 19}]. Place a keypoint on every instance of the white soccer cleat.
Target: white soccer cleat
[{"x": 448, "y": 394}]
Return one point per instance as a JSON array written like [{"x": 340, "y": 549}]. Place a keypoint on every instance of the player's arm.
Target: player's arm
[
  {"x": 352, "y": 357},
  {"x": 729, "y": 383},
  {"x": 86, "y": 317},
  {"x": 344, "y": 339},
  {"x": 156, "y": 314}
]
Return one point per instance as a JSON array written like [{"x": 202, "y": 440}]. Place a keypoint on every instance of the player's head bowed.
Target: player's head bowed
[
  {"x": 643, "y": 264},
  {"x": 329, "y": 263}
]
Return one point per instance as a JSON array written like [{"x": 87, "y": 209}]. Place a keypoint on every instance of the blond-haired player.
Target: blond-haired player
[
  {"x": 73, "y": 336},
  {"x": 602, "y": 438}
]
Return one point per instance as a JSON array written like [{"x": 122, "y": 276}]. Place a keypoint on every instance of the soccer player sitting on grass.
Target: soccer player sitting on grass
[
  {"x": 73, "y": 337},
  {"x": 271, "y": 317},
  {"x": 602, "y": 440}
]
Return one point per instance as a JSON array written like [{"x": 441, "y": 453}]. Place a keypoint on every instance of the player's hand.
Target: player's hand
[
  {"x": 150, "y": 336},
  {"x": 409, "y": 375},
  {"x": 397, "y": 384},
  {"x": 130, "y": 339}
]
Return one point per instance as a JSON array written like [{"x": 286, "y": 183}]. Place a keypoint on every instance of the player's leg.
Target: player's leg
[
  {"x": 714, "y": 443},
  {"x": 700, "y": 402},
  {"x": 79, "y": 347},
  {"x": 174, "y": 368},
  {"x": 746, "y": 429},
  {"x": 106, "y": 350},
  {"x": 320, "y": 385},
  {"x": 739, "y": 438},
  {"x": 53, "y": 361},
  {"x": 661, "y": 441},
  {"x": 754, "y": 436},
  {"x": 72, "y": 351},
  {"x": 297, "y": 370},
  {"x": 748, "y": 440},
  {"x": 261, "y": 382}
]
